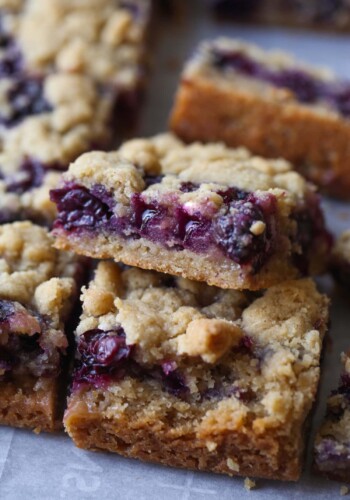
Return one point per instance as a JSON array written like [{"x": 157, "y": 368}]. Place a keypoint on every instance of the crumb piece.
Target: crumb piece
[
  {"x": 258, "y": 227},
  {"x": 344, "y": 490},
  {"x": 232, "y": 465},
  {"x": 211, "y": 445},
  {"x": 249, "y": 484},
  {"x": 209, "y": 338}
]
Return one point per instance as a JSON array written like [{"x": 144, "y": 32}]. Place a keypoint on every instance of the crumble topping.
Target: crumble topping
[
  {"x": 28, "y": 262},
  {"x": 78, "y": 120},
  {"x": 269, "y": 345},
  {"x": 211, "y": 166},
  {"x": 102, "y": 38}
]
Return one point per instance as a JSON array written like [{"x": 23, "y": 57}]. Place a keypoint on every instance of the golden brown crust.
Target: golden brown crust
[
  {"x": 31, "y": 404},
  {"x": 318, "y": 144},
  {"x": 266, "y": 457},
  {"x": 147, "y": 255}
]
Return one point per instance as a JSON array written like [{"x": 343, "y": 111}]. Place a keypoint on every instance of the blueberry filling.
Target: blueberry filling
[
  {"x": 11, "y": 63},
  {"x": 244, "y": 229},
  {"x": 234, "y": 236},
  {"x": 30, "y": 175},
  {"x": 311, "y": 231},
  {"x": 23, "y": 349},
  {"x": 7, "y": 309},
  {"x": 25, "y": 98},
  {"x": 152, "y": 179},
  {"x": 306, "y": 88},
  {"x": 173, "y": 225},
  {"x": 331, "y": 454},
  {"x": 80, "y": 208},
  {"x": 104, "y": 357}
]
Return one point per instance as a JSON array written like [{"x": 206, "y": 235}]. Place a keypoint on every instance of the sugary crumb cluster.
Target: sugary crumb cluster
[
  {"x": 102, "y": 38},
  {"x": 37, "y": 289},
  {"x": 75, "y": 120}
]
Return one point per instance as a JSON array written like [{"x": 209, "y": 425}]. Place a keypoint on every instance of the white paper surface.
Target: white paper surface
[{"x": 50, "y": 467}]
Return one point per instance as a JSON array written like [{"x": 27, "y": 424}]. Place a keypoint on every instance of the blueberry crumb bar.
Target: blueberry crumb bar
[
  {"x": 44, "y": 125},
  {"x": 332, "y": 445},
  {"x": 177, "y": 372},
  {"x": 340, "y": 260},
  {"x": 104, "y": 39},
  {"x": 203, "y": 212},
  {"x": 38, "y": 288},
  {"x": 272, "y": 104}
]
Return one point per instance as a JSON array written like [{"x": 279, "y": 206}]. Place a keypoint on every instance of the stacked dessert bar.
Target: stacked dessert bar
[
  {"x": 192, "y": 368},
  {"x": 236, "y": 92},
  {"x": 38, "y": 288},
  {"x": 54, "y": 105}
]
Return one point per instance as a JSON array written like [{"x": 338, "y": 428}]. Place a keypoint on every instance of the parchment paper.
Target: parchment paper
[{"x": 49, "y": 466}]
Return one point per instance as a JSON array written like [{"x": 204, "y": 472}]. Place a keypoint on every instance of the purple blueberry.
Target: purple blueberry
[
  {"x": 192, "y": 230},
  {"x": 79, "y": 208},
  {"x": 150, "y": 180},
  {"x": 304, "y": 86},
  {"x": 232, "y": 233},
  {"x": 7, "y": 309},
  {"x": 236, "y": 60},
  {"x": 188, "y": 187},
  {"x": 25, "y": 98},
  {"x": 101, "y": 357}
]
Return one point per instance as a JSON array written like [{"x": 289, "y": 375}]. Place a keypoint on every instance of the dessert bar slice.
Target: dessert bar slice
[
  {"x": 188, "y": 375},
  {"x": 340, "y": 260},
  {"x": 332, "y": 446},
  {"x": 319, "y": 14},
  {"x": 102, "y": 38},
  {"x": 270, "y": 103},
  {"x": 204, "y": 212},
  {"x": 38, "y": 288},
  {"x": 45, "y": 124}
]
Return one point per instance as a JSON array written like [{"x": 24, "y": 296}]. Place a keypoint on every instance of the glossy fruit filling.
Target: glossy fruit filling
[
  {"x": 104, "y": 357},
  {"x": 174, "y": 225},
  {"x": 306, "y": 88},
  {"x": 244, "y": 229}
]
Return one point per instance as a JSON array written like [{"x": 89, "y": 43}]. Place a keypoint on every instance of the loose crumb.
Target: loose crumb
[
  {"x": 232, "y": 465},
  {"x": 249, "y": 484},
  {"x": 344, "y": 490}
]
